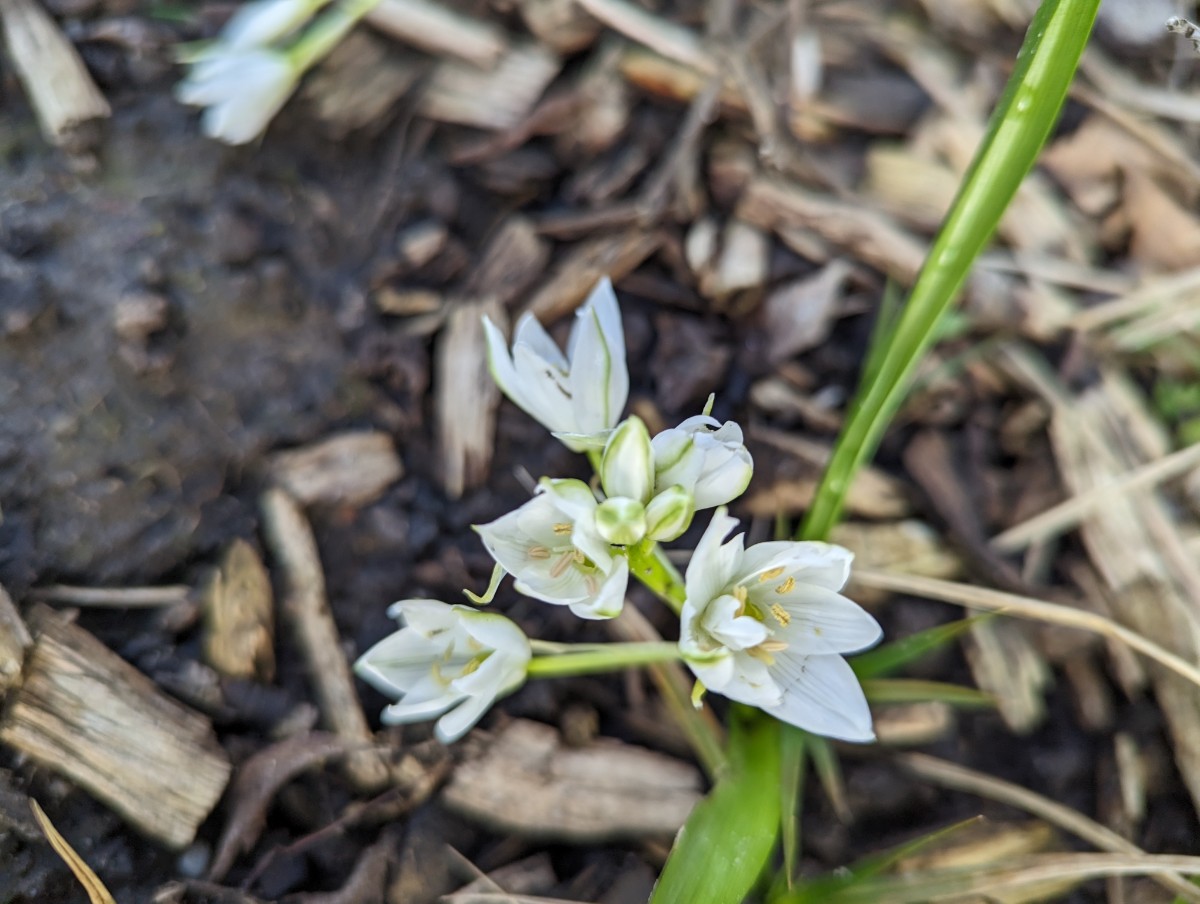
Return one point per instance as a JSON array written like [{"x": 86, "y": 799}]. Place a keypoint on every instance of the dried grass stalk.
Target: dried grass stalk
[{"x": 60, "y": 89}]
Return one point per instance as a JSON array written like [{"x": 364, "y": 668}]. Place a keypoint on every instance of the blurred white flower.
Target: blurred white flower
[
  {"x": 766, "y": 626},
  {"x": 261, "y": 22},
  {"x": 706, "y": 458},
  {"x": 577, "y": 395},
  {"x": 242, "y": 89},
  {"x": 448, "y": 661},
  {"x": 552, "y": 547}
]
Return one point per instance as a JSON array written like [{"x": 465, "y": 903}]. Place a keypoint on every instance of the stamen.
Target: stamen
[
  {"x": 562, "y": 528},
  {"x": 761, "y": 654},
  {"x": 592, "y": 585},
  {"x": 539, "y": 552},
  {"x": 563, "y": 563},
  {"x": 770, "y": 575},
  {"x": 786, "y": 586},
  {"x": 772, "y": 646},
  {"x": 579, "y": 557},
  {"x": 781, "y": 615}
]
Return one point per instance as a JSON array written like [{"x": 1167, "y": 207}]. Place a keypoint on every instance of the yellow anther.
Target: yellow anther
[
  {"x": 772, "y": 646},
  {"x": 740, "y": 594},
  {"x": 762, "y": 654},
  {"x": 781, "y": 615},
  {"x": 770, "y": 575},
  {"x": 786, "y": 586},
  {"x": 562, "y": 528},
  {"x": 539, "y": 552},
  {"x": 579, "y": 557}
]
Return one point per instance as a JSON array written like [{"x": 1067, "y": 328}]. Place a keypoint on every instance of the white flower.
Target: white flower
[
  {"x": 552, "y": 547},
  {"x": 766, "y": 626},
  {"x": 577, "y": 395},
  {"x": 243, "y": 90},
  {"x": 706, "y": 458},
  {"x": 448, "y": 661},
  {"x": 261, "y": 22}
]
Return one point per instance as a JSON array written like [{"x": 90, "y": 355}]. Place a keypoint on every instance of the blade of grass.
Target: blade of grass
[
  {"x": 794, "y": 762},
  {"x": 891, "y": 657},
  {"x": 1017, "y": 130},
  {"x": 727, "y": 841},
  {"x": 907, "y": 690},
  {"x": 96, "y": 892},
  {"x": 826, "y": 889}
]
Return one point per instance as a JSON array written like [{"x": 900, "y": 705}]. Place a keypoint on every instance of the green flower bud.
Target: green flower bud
[
  {"x": 621, "y": 521},
  {"x": 669, "y": 513}
]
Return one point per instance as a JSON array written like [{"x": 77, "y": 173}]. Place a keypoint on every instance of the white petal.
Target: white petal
[
  {"x": 500, "y": 361},
  {"x": 264, "y": 21},
  {"x": 403, "y": 713},
  {"x": 591, "y": 370},
  {"x": 462, "y": 719},
  {"x": 821, "y": 694},
  {"x": 713, "y": 564},
  {"x": 425, "y": 615},
  {"x": 495, "y": 632},
  {"x": 610, "y": 599},
  {"x": 543, "y": 391},
  {"x": 715, "y": 674},
  {"x": 738, "y": 632},
  {"x": 810, "y": 562},
  {"x": 533, "y": 335},
  {"x": 752, "y": 682},
  {"x": 823, "y": 621}
]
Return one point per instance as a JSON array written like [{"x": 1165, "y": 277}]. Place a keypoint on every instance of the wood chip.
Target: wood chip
[
  {"x": 239, "y": 617},
  {"x": 86, "y": 714},
  {"x": 440, "y": 30},
  {"x": 466, "y": 397},
  {"x": 527, "y": 784},
  {"x": 351, "y": 469},
  {"x": 583, "y": 266},
  {"x": 914, "y": 724},
  {"x": 496, "y": 98},
  {"x": 864, "y": 234},
  {"x": 360, "y": 81},
  {"x": 907, "y": 547},
  {"x": 60, "y": 89},
  {"x": 305, "y": 609},
  {"x": 798, "y": 314}
]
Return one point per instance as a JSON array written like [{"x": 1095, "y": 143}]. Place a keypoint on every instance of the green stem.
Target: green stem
[
  {"x": 650, "y": 565},
  {"x": 326, "y": 32},
  {"x": 608, "y": 658}
]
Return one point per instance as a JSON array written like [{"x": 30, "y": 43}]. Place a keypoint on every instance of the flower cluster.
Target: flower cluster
[
  {"x": 246, "y": 75},
  {"x": 764, "y": 625}
]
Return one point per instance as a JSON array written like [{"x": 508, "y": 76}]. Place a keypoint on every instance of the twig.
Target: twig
[
  {"x": 114, "y": 597},
  {"x": 1024, "y": 607},
  {"x": 1069, "y": 513},
  {"x": 304, "y": 605},
  {"x": 62, "y": 93},
  {"x": 960, "y": 778}
]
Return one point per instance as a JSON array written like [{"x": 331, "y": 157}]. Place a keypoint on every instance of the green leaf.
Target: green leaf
[
  {"x": 1017, "y": 130},
  {"x": 891, "y": 657},
  {"x": 727, "y": 841},
  {"x": 794, "y": 756},
  {"x": 907, "y": 690}
]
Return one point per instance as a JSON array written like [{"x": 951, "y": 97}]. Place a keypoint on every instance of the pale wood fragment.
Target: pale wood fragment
[
  {"x": 239, "y": 617},
  {"x": 60, "y": 89},
  {"x": 304, "y": 606},
  {"x": 347, "y": 469},
  {"x": 14, "y": 641},
  {"x": 466, "y": 398},
  {"x": 865, "y": 234},
  {"x": 360, "y": 81},
  {"x": 440, "y": 30},
  {"x": 907, "y": 547},
  {"x": 914, "y": 724},
  {"x": 495, "y": 98},
  {"x": 526, "y": 783},
  {"x": 583, "y": 266},
  {"x": 85, "y": 713}
]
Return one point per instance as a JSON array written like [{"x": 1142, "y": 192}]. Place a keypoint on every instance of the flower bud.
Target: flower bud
[
  {"x": 627, "y": 468},
  {"x": 669, "y": 514},
  {"x": 706, "y": 458},
  {"x": 621, "y": 521}
]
